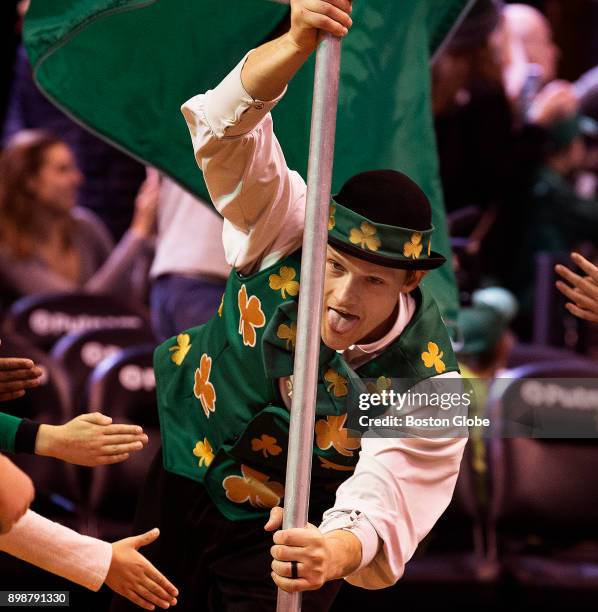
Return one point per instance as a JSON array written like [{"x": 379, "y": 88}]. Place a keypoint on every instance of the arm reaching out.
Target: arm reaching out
[
  {"x": 90, "y": 440},
  {"x": 261, "y": 199},
  {"x": 91, "y": 562}
]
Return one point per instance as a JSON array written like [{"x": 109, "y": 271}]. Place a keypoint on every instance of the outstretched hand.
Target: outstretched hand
[
  {"x": 16, "y": 376},
  {"x": 134, "y": 577},
  {"x": 320, "y": 557},
  {"x": 581, "y": 290},
  {"x": 90, "y": 440}
]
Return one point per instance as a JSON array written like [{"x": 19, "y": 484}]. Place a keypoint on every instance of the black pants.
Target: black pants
[{"x": 217, "y": 565}]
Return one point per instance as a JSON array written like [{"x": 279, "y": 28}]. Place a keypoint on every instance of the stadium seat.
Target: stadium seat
[
  {"x": 42, "y": 319},
  {"x": 123, "y": 387},
  {"x": 80, "y": 352},
  {"x": 543, "y": 518}
]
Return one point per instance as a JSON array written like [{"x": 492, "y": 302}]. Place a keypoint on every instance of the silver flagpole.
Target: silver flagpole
[{"x": 307, "y": 348}]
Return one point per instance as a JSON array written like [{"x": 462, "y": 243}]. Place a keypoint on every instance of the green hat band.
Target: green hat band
[{"x": 388, "y": 241}]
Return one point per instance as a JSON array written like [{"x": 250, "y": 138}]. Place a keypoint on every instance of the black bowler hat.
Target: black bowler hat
[{"x": 382, "y": 216}]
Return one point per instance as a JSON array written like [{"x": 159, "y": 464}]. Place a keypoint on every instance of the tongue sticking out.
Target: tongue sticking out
[{"x": 341, "y": 323}]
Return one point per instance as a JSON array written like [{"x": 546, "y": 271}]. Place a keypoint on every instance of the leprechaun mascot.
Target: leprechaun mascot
[{"x": 224, "y": 388}]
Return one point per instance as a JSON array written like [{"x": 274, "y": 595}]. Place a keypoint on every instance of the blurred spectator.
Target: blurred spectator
[
  {"x": 473, "y": 123},
  {"x": 111, "y": 177},
  {"x": 560, "y": 219},
  {"x": 467, "y": 90},
  {"x": 189, "y": 270},
  {"x": 49, "y": 245},
  {"x": 486, "y": 342},
  {"x": 531, "y": 57},
  {"x": 483, "y": 353},
  {"x": 586, "y": 89}
]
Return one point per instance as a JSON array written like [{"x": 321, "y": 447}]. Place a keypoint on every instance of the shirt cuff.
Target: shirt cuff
[
  {"x": 230, "y": 111},
  {"x": 26, "y": 436},
  {"x": 358, "y": 524}
]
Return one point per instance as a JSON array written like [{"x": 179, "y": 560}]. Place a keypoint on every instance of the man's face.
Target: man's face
[{"x": 360, "y": 299}]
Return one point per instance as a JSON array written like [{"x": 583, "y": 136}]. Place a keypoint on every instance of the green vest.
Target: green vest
[{"x": 222, "y": 418}]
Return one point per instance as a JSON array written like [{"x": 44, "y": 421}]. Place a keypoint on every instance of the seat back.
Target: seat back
[
  {"x": 80, "y": 352},
  {"x": 42, "y": 319},
  {"x": 123, "y": 387},
  {"x": 545, "y": 483}
]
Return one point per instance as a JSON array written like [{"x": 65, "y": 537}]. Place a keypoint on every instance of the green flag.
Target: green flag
[{"x": 124, "y": 67}]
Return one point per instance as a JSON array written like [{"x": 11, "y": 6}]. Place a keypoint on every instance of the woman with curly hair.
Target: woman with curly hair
[{"x": 47, "y": 243}]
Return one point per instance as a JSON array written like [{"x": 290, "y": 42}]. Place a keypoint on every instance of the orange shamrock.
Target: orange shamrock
[
  {"x": 338, "y": 384},
  {"x": 284, "y": 332},
  {"x": 365, "y": 237},
  {"x": 180, "y": 350},
  {"x": 283, "y": 281},
  {"x": 331, "y": 219},
  {"x": 413, "y": 248},
  {"x": 433, "y": 358},
  {"x": 330, "y": 432},
  {"x": 203, "y": 389},
  {"x": 266, "y": 444},
  {"x": 251, "y": 316},
  {"x": 254, "y": 487},
  {"x": 204, "y": 451},
  {"x": 330, "y": 465}
]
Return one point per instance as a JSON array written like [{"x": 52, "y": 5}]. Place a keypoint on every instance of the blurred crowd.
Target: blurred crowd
[{"x": 518, "y": 153}]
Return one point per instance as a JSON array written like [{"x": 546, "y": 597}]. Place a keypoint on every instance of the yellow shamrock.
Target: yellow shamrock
[
  {"x": 331, "y": 219},
  {"x": 413, "y": 248},
  {"x": 433, "y": 358},
  {"x": 254, "y": 487},
  {"x": 221, "y": 305},
  {"x": 365, "y": 237},
  {"x": 382, "y": 383},
  {"x": 204, "y": 451},
  {"x": 179, "y": 352},
  {"x": 266, "y": 444},
  {"x": 284, "y": 332},
  {"x": 284, "y": 282},
  {"x": 338, "y": 384}
]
